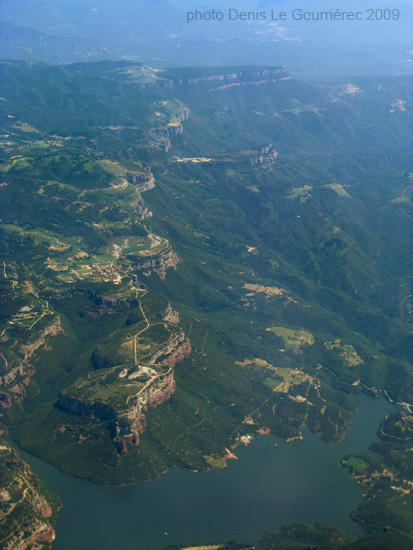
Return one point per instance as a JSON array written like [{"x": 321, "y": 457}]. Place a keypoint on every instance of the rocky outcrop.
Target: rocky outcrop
[
  {"x": 141, "y": 211},
  {"x": 85, "y": 408},
  {"x": 266, "y": 159},
  {"x": 175, "y": 129},
  {"x": 9, "y": 376},
  {"x": 157, "y": 262},
  {"x": 128, "y": 415},
  {"x": 169, "y": 131},
  {"x": 155, "y": 394},
  {"x": 169, "y": 315},
  {"x": 129, "y": 420},
  {"x": 25, "y": 507},
  {"x": 143, "y": 182},
  {"x": 51, "y": 330},
  {"x": 183, "y": 115},
  {"x": 244, "y": 76},
  {"x": 11, "y": 370},
  {"x": 166, "y": 354}
]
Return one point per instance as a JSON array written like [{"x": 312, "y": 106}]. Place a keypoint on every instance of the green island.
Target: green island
[{"x": 193, "y": 256}]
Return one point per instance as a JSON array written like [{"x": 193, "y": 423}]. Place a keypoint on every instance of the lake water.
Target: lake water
[{"x": 271, "y": 484}]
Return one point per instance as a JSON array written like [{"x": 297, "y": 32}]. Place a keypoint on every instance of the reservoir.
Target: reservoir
[{"x": 272, "y": 483}]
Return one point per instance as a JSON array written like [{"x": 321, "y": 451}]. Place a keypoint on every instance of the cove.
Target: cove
[{"x": 272, "y": 483}]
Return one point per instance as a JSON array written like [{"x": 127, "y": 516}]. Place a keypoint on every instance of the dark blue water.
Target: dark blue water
[{"x": 271, "y": 484}]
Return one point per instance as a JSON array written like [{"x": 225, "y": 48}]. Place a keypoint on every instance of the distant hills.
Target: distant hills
[{"x": 158, "y": 35}]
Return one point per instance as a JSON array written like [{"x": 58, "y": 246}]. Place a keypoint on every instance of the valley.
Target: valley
[{"x": 192, "y": 254}]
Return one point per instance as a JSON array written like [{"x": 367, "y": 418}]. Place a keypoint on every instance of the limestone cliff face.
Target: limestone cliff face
[
  {"x": 175, "y": 130},
  {"x": 170, "y": 130},
  {"x": 170, "y": 349},
  {"x": 142, "y": 211},
  {"x": 155, "y": 395},
  {"x": 183, "y": 115},
  {"x": 128, "y": 415},
  {"x": 244, "y": 76},
  {"x": 143, "y": 182},
  {"x": 21, "y": 367},
  {"x": 86, "y": 408},
  {"x": 157, "y": 262},
  {"x": 266, "y": 159}
]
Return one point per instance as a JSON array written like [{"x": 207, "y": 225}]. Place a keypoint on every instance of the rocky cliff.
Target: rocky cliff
[
  {"x": 143, "y": 182},
  {"x": 27, "y": 511},
  {"x": 134, "y": 388},
  {"x": 274, "y": 73},
  {"x": 17, "y": 366},
  {"x": 158, "y": 262},
  {"x": 266, "y": 159}
]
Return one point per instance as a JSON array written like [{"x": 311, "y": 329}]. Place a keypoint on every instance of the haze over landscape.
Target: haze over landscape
[
  {"x": 205, "y": 276},
  {"x": 156, "y": 33}
]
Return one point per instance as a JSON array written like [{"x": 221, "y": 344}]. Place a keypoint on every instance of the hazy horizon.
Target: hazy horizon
[{"x": 161, "y": 34}]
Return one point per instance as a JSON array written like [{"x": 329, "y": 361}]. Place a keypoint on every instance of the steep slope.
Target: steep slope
[{"x": 28, "y": 510}]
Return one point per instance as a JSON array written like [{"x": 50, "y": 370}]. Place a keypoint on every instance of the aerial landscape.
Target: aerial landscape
[{"x": 205, "y": 286}]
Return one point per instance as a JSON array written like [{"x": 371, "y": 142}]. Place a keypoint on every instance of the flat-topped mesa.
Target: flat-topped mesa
[
  {"x": 242, "y": 75},
  {"x": 134, "y": 370},
  {"x": 128, "y": 413}
]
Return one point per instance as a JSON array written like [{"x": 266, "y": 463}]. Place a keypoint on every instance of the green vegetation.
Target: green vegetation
[
  {"x": 293, "y": 339},
  {"x": 302, "y": 193},
  {"x": 347, "y": 352},
  {"x": 339, "y": 189},
  {"x": 109, "y": 213},
  {"x": 387, "y": 482},
  {"x": 355, "y": 464}
]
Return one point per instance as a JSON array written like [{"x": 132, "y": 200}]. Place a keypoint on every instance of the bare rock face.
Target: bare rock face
[
  {"x": 175, "y": 130},
  {"x": 17, "y": 371},
  {"x": 142, "y": 211},
  {"x": 25, "y": 509},
  {"x": 170, "y": 315},
  {"x": 274, "y": 73},
  {"x": 8, "y": 377},
  {"x": 86, "y": 408},
  {"x": 167, "y": 353},
  {"x": 183, "y": 115},
  {"x": 159, "y": 262},
  {"x": 136, "y": 387},
  {"x": 266, "y": 159},
  {"x": 143, "y": 182}
]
